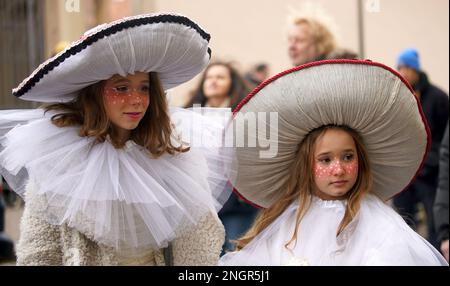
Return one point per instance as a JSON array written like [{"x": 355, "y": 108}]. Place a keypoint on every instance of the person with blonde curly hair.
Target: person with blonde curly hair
[{"x": 312, "y": 37}]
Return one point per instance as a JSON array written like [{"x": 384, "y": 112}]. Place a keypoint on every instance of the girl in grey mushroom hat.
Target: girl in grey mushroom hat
[
  {"x": 109, "y": 172},
  {"x": 351, "y": 134}
]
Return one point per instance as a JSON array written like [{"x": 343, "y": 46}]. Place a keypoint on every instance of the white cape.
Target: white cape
[
  {"x": 123, "y": 198},
  {"x": 377, "y": 236}
]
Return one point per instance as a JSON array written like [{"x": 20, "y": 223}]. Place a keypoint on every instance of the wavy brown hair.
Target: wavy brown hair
[
  {"x": 300, "y": 187},
  {"x": 239, "y": 87},
  {"x": 87, "y": 110}
]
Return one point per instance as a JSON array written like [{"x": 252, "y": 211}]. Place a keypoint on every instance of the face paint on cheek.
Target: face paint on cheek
[
  {"x": 330, "y": 170},
  {"x": 351, "y": 168},
  {"x": 135, "y": 99},
  {"x": 320, "y": 171},
  {"x": 111, "y": 97},
  {"x": 335, "y": 167}
]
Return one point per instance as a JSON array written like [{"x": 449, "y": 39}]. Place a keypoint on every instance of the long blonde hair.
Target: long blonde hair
[
  {"x": 300, "y": 186},
  {"x": 87, "y": 110}
]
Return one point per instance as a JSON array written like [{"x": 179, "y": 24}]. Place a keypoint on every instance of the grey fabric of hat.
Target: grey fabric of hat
[
  {"x": 171, "y": 45},
  {"x": 368, "y": 97}
]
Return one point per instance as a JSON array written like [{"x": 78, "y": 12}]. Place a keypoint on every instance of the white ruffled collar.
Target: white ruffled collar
[
  {"x": 340, "y": 204},
  {"x": 122, "y": 198}
]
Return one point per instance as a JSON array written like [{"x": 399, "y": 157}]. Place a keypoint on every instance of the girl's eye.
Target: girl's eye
[
  {"x": 144, "y": 89},
  {"x": 121, "y": 89},
  {"x": 325, "y": 160},
  {"x": 348, "y": 157}
]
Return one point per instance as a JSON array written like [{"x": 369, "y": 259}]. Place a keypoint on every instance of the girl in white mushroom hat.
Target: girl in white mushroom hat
[
  {"x": 351, "y": 135},
  {"x": 109, "y": 173}
]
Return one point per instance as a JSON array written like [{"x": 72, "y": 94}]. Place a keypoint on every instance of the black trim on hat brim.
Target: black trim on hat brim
[{"x": 108, "y": 32}]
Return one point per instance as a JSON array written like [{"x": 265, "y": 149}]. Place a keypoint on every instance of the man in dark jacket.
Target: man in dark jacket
[
  {"x": 441, "y": 203},
  {"x": 434, "y": 103}
]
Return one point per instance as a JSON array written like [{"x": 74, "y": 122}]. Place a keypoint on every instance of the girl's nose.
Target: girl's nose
[
  {"x": 338, "y": 169},
  {"x": 134, "y": 97}
]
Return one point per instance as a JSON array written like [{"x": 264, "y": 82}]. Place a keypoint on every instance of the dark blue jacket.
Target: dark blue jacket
[{"x": 434, "y": 103}]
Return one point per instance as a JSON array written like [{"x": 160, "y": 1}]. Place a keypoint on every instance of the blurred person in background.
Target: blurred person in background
[
  {"x": 257, "y": 74},
  {"x": 342, "y": 53},
  {"x": 222, "y": 86},
  {"x": 434, "y": 103},
  {"x": 311, "y": 39},
  {"x": 441, "y": 203},
  {"x": 59, "y": 47}
]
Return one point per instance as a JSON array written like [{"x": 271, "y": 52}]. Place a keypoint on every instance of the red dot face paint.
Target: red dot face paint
[
  {"x": 132, "y": 97},
  {"x": 111, "y": 97},
  {"x": 351, "y": 168},
  {"x": 335, "y": 164},
  {"x": 127, "y": 99},
  {"x": 323, "y": 171}
]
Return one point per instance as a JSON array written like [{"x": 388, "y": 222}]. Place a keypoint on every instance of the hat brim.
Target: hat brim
[
  {"x": 366, "y": 96},
  {"x": 171, "y": 45}
]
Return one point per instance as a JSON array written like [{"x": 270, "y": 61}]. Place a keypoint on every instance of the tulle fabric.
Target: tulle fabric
[
  {"x": 122, "y": 198},
  {"x": 377, "y": 236}
]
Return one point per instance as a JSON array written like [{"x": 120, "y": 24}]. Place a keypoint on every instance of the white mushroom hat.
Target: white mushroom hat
[
  {"x": 368, "y": 97},
  {"x": 171, "y": 45}
]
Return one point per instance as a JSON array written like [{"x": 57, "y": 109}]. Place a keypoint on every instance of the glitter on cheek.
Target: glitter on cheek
[
  {"x": 335, "y": 168},
  {"x": 332, "y": 169},
  {"x": 111, "y": 98},
  {"x": 320, "y": 171},
  {"x": 133, "y": 99},
  {"x": 351, "y": 168}
]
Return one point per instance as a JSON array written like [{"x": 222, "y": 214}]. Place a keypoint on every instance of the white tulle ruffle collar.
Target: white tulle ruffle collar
[{"x": 123, "y": 198}]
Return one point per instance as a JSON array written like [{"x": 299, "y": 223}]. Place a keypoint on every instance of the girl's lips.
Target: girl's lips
[
  {"x": 133, "y": 115},
  {"x": 339, "y": 183}
]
